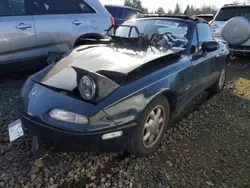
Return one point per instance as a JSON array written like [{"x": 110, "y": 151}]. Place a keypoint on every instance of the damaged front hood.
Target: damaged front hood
[{"x": 94, "y": 59}]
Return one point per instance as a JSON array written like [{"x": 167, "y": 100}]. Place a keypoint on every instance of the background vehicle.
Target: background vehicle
[
  {"x": 126, "y": 91},
  {"x": 231, "y": 24},
  {"x": 207, "y": 17},
  {"x": 122, "y": 13},
  {"x": 32, "y": 28}
]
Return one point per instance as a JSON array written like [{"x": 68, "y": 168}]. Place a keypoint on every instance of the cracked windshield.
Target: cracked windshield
[{"x": 162, "y": 33}]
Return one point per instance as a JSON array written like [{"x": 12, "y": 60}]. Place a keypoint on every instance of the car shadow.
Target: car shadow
[
  {"x": 216, "y": 113},
  {"x": 176, "y": 143}
]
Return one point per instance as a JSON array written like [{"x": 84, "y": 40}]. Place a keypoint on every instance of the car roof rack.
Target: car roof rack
[
  {"x": 203, "y": 14},
  {"x": 185, "y": 17},
  {"x": 237, "y": 4}
]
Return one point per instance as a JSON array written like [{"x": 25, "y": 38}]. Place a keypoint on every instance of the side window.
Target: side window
[
  {"x": 114, "y": 11},
  {"x": 12, "y": 8},
  {"x": 85, "y": 8},
  {"x": 128, "y": 13},
  {"x": 194, "y": 43},
  {"x": 36, "y": 7},
  {"x": 204, "y": 33}
]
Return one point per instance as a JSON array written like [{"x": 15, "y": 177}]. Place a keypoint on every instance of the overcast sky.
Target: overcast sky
[{"x": 154, "y": 4}]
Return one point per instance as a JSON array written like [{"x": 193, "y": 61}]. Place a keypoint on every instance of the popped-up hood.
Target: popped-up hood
[{"x": 94, "y": 59}]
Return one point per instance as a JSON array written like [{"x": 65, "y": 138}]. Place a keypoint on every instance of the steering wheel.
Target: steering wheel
[
  {"x": 154, "y": 36},
  {"x": 169, "y": 38}
]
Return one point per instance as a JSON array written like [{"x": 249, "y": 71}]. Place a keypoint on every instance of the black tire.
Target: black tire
[
  {"x": 217, "y": 87},
  {"x": 136, "y": 144}
]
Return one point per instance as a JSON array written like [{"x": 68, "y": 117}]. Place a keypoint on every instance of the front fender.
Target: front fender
[
  {"x": 131, "y": 108},
  {"x": 36, "y": 101},
  {"x": 128, "y": 102}
]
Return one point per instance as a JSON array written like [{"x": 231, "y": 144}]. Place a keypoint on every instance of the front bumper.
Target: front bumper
[
  {"x": 35, "y": 103},
  {"x": 243, "y": 50},
  {"x": 235, "y": 50},
  {"x": 75, "y": 141}
]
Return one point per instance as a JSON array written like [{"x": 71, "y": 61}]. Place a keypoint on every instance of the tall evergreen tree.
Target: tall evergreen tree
[
  {"x": 160, "y": 10},
  {"x": 177, "y": 9},
  {"x": 192, "y": 10},
  {"x": 170, "y": 12},
  {"x": 186, "y": 12},
  {"x": 135, "y": 4},
  {"x": 145, "y": 10}
]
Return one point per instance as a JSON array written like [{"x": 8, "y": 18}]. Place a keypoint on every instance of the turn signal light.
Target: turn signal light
[{"x": 66, "y": 116}]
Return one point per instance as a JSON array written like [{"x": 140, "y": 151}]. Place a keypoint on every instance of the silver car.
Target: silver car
[
  {"x": 231, "y": 24},
  {"x": 30, "y": 29}
]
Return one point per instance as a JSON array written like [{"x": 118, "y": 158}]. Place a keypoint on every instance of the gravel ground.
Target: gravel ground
[{"x": 209, "y": 146}]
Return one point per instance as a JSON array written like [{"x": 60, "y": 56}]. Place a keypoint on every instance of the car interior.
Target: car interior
[{"x": 11, "y": 8}]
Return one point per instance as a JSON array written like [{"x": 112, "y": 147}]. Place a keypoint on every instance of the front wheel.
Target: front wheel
[
  {"x": 220, "y": 83},
  {"x": 151, "y": 128}
]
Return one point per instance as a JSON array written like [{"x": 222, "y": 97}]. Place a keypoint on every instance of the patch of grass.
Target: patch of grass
[{"x": 242, "y": 88}]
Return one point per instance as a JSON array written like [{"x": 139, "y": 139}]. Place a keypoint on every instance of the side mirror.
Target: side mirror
[{"x": 210, "y": 46}]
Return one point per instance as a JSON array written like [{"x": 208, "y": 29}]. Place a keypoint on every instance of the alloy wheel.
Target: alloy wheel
[{"x": 154, "y": 126}]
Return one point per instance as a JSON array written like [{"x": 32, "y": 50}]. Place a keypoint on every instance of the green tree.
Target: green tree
[
  {"x": 135, "y": 4},
  {"x": 191, "y": 11},
  {"x": 186, "y": 12},
  {"x": 160, "y": 10},
  {"x": 177, "y": 9},
  {"x": 170, "y": 12},
  {"x": 145, "y": 10}
]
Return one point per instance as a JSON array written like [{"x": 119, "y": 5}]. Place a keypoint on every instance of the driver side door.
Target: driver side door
[{"x": 203, "y": 63}]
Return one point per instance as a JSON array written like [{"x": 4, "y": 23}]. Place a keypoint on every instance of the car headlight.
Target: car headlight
[
  {"x": 66, "y": 116},
  {"x": 87, "y": 87}
]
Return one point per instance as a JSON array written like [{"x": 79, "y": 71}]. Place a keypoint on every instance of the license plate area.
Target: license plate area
[{"x": 15, "y": 130}]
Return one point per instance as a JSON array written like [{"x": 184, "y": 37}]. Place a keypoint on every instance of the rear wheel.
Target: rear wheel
[
  {"x": 220, "y": 83},
  {"x": 151, "y": 128}
]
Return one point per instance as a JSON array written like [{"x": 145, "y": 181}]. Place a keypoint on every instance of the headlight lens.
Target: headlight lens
[
  {"x": 66, "y": 116},
  {"x": 87, "y": 87}
]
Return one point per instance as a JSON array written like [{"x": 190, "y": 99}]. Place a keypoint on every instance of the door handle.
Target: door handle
[
  {"x": 23, "y": 26},
  {"x": 76, "y": 22}
]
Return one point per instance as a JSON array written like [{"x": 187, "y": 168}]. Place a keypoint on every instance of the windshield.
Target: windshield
[
  {"x": 156, "y": 26},
  {"x": 162, "y": 33}
]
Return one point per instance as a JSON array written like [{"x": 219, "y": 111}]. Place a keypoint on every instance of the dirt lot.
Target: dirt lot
[{"x": 208, "y": 147}]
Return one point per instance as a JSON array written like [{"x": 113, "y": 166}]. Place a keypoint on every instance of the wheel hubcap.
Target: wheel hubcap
[
  {"x": 222, "y": 77},
  {"x": 154, "y": 126}
]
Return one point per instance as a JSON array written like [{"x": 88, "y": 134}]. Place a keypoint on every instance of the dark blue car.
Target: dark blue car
[
  {"x": 121, "y": 93},
  {"x": 122, "y": 13}
]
